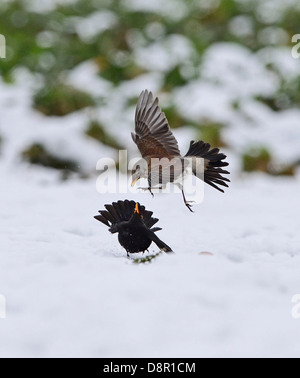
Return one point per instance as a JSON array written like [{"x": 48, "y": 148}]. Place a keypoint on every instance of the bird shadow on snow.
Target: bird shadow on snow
[{"x": 139, "y": 257}]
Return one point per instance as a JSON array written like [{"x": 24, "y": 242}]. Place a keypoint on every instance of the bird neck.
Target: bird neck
[{"x": 136, "y": 219}]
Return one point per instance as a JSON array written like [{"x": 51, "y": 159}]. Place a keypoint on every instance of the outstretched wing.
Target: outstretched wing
[{"x": 152, "y": 131}]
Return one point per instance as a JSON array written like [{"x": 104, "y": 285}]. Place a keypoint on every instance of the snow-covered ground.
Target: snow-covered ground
[{"x": 71, "y": 291}]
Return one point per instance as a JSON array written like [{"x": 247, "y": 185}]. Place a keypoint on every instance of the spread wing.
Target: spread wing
[{"x": 152, "y": 131}]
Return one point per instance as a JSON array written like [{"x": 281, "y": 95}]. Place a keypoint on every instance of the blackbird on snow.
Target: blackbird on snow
[{"x": 134, "y": 225}]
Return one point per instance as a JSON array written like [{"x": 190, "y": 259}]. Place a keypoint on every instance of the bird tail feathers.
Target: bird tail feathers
[
  {"x": 161, "y": 245},
  {"x": 122, "y": 211},
  {"x": 213, "y": 164}
]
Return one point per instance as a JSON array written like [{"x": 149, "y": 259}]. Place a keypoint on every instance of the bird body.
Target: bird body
[
  {"x": 162, "y": 162},
  {"x": 161, "y": 172},
  {"x": 134, "y": 225},
  {"x": 132, "y": 236}
]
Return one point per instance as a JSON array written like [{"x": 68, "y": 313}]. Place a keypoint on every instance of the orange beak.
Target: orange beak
[{"x": 136, "y": 209}]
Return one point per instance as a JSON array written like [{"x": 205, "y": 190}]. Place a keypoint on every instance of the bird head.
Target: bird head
[
  {"x": 137, "y": 216},
  {"x": 140, "y": 170},
  {"x": 135, "y": 175}
]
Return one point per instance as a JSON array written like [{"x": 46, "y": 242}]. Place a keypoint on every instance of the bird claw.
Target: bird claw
[{"x": 189, "y": 206}]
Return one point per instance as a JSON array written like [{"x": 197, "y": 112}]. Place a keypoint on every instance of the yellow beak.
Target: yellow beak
[
  {"x": 134, "y": 182},
  {"x": 136, "y": 209}
]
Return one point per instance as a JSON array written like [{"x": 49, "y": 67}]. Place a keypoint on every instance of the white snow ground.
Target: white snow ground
[{"x": 71, "y": 291}]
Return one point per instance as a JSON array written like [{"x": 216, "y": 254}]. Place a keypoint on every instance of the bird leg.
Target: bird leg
[
  {"x": 187, "y": 203},
  {"x": 145, "y": 189},
  {"x": 151, "y": 192}
]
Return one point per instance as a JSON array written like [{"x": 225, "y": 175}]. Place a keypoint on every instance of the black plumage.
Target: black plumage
[
  {"x": 213, "y": 161},
  {"x": 134, "y": 225}
]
